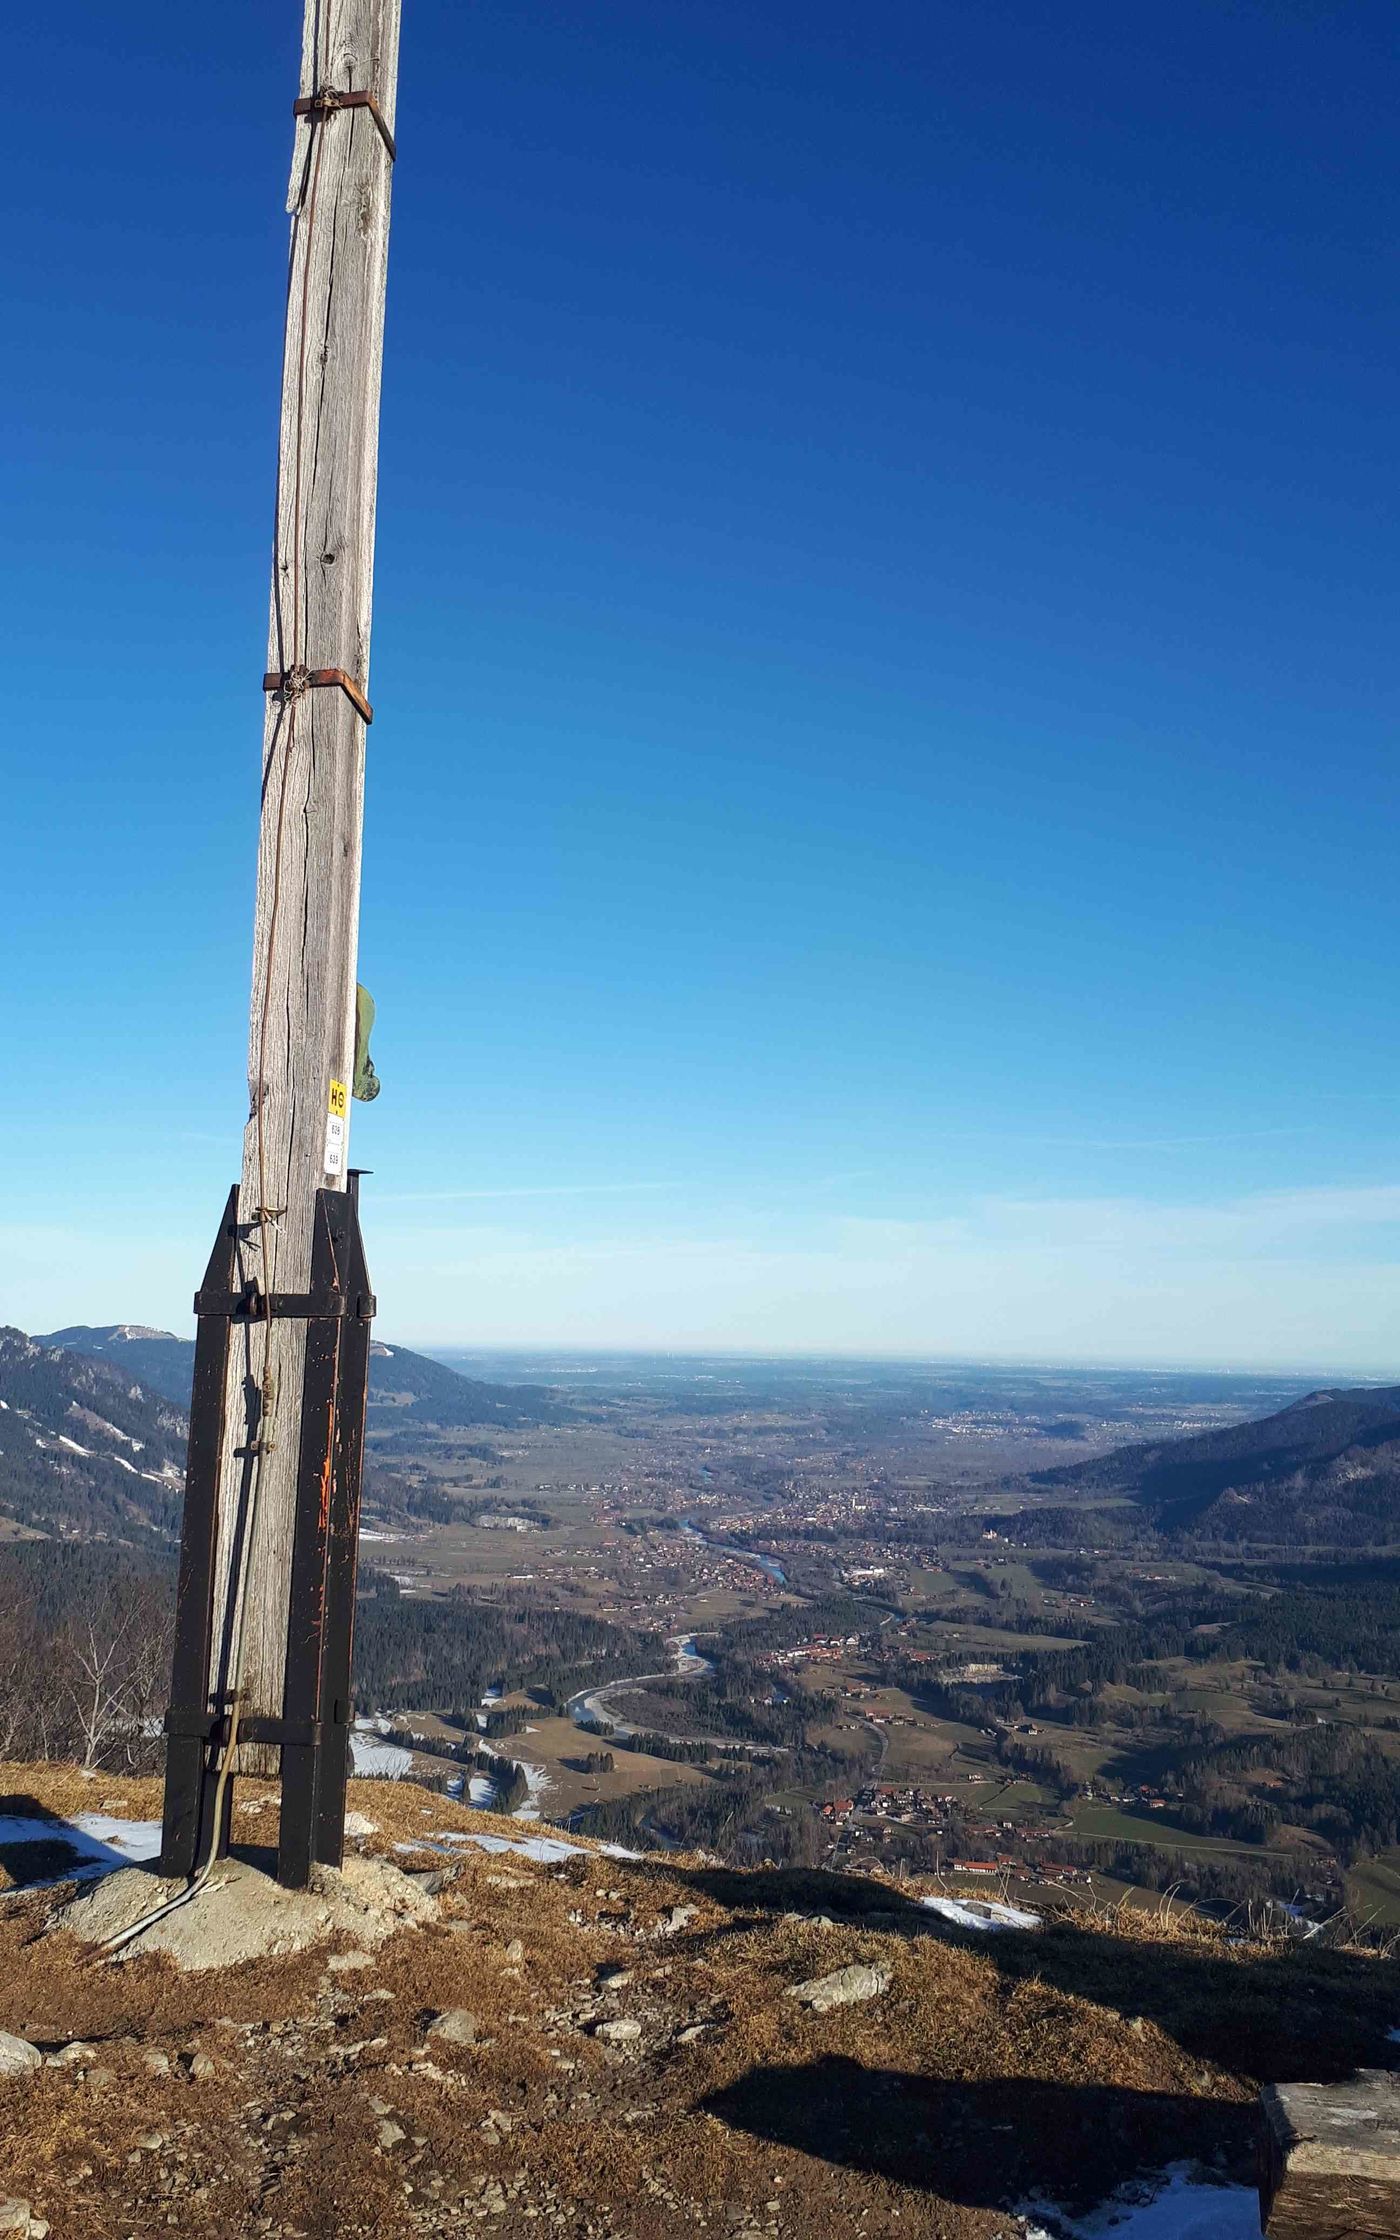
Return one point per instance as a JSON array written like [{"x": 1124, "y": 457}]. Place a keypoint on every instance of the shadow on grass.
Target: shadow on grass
[
  {"x": 986, "y": 2145},
  {"x": 38, "y": 1846},
  {"x": 1273, "y": 2016}
]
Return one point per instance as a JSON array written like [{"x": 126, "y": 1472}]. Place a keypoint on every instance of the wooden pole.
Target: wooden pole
[{"x": 302, "y": 1023}]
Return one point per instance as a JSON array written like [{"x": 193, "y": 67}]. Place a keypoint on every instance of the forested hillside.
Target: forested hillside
[
  {"x": 85, "y": 1450},
  {"x": 1324, "y": 1472}
]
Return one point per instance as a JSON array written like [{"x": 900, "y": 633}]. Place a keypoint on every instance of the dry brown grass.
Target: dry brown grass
[{"x": 1059, "y": 2060}]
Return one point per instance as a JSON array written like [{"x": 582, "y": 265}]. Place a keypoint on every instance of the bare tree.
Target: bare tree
[{"x": 114, "y": 1655}]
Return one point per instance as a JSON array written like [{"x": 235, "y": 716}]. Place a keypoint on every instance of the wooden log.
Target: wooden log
[
  {"x": 302, "y": 1021},
  {"x": 1330, "y": 2159}
]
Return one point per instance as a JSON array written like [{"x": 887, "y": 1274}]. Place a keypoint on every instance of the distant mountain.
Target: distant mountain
[
  {"x": 157, "y": 1358},
  {"x": 1323, "y": 1472},
  {"x": 404, "y": 1388},
  {"x": 409, "y": 1387},
  {"x": 86, "y": 1449}
]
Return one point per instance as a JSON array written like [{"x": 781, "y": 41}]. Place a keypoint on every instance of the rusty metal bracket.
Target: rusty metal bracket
[
  {"x": 319, "y": 106},
  {"x": 252, "y": 1305},
  {"x": 291, "y": 683}
]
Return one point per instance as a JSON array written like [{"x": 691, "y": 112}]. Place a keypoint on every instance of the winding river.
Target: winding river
[
  {"x": 769, "y": 1564},
  {"x": 589, "y": 1708}
]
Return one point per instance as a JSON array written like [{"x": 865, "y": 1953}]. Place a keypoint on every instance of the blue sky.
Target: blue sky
[{"x": 881, "y": 808}]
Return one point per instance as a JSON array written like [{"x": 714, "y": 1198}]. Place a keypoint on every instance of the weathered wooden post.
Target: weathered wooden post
[
  {"x": 266, "y": 1595},
  {"x": 1330, "y": 2159}
]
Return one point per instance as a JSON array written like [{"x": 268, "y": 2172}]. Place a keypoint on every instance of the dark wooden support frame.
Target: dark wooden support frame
[{"x": 314, "y": 1727}]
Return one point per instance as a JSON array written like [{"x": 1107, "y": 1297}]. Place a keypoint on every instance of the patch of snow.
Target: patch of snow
[
  {"x": 482, "y": 1790},
  {"x": 112, "y": 1430},
  {"x": 97, "y": 1842},
  {"x": 121, "y": 1461},
  {"x": 549, "y": 1850},
  {"x": 65, "y": 1441},
  {"x": 537, "y": 1781},
  {"x": 135, "y": 1839},
  {"x": 981, "y": 1913},
  {"x": 493, "y": 1694},
  {"x": 1177, "y": 2205},
  {"x": 372, "y": 1760}
]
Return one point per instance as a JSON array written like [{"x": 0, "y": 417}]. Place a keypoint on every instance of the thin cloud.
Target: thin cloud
[{"x": 530, "y": 1190}]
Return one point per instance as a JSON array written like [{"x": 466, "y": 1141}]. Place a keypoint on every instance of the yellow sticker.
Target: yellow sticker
[{"x": 336, "y": 1129}]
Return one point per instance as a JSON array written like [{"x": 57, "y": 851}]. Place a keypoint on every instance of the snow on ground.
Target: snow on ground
[
  {"x": 981, "y": 1913},
  {"x": 374, "y": 1760},
  {"x": 537, "y": 1781},
  {"x": 97, "y": 1843},
  {"x": 1179, "y": 2205},
  {"x": 483, "y": 1790},
  {"x": 550, "y": 1850}
]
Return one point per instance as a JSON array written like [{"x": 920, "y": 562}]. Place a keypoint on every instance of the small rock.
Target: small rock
[
  {"x": 456, "y": 2024},
  {"x": 434, "y": 1879},
  {"x": 16, "y": 2056},
  {"x": 356, "y": 1824},
  {"x": 617, "y": 2033},
  {"x": 515, "y": 1950},
  {"x": 613, "y": 1979},
  {"x": 99, "y": 2079},
  {"x": 340, "y": 1963},
  {"x": 199, "y": 2065},
  {"x": 157, "y": 2063},
  {"x": 150, "y": 2140},
  {"x": 842, "y": 1988},
  {"x": 14, "y": 2213},
  {"x": 691, "y": 2032},
  {"x": 677, "y": 1918},
  {"x": 67, "y": 2056},
  {"x": 390, "y": 2132}
]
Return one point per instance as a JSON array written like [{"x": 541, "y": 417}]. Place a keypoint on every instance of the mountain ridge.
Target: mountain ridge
[
  {"x": 1325, "y": 1470},
  {"x": 416, "y": 1388},
  {"x": 94, "y": 1420}
]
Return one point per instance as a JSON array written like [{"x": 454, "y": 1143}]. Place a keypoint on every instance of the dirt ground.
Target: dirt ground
[{"x": 634, "y": 2068}]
